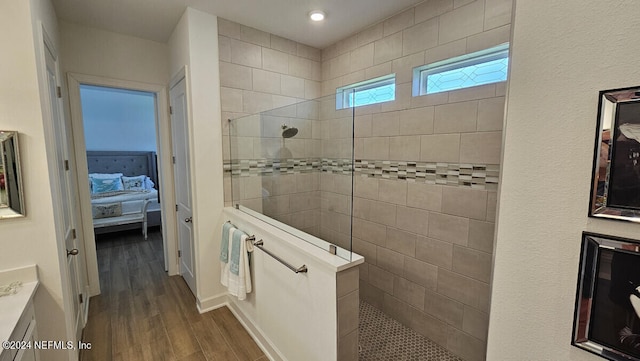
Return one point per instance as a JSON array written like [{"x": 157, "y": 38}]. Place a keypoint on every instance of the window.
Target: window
[
  {"x": 372, "y": 91},
  {"x": 479, "y": 68}
]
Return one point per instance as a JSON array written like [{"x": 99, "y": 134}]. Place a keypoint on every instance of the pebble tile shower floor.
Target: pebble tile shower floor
[{"x": 384, "y": 339}]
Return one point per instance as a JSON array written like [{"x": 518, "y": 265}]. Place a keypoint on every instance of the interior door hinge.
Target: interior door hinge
[
  {"x": 170, "y": 110},
  {"x": 59, "y": 92},
  {"x": 73, "y": 233},
  {"x": 174, "y": 159},
  {"x": 66, "y": 165},
  {"x": 81, "y": 298},
  {"x": 176, "y": 207},
  {"x": 179, "y": 253}
]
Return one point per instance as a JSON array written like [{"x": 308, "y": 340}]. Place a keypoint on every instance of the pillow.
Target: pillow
[
  {"x": 101, "y": 185},
  {"x": 107, "y": 210},
  {"x": 136, "y": 183},
  {"x": 149, "y": 183},
  {"x": 104, "y": 175}
]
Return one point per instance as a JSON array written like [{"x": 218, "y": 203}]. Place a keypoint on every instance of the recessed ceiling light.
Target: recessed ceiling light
[{"x": 316, "y": 15}]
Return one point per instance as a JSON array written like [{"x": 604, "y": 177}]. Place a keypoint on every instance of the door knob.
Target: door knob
[
  {"x": 73, "y": 252},
  {"x": 188, "y": 220}
]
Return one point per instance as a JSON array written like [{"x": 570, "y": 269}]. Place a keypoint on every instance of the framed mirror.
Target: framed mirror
[
  {"x": 607, "y": 308},
  {"x": 615, "y": 187},
  {"x": 11, "y": 191}
]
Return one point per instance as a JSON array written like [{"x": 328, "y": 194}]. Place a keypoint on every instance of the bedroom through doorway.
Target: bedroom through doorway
[
  {"x": 121, "y": 144},
  {"x": 122, "y": 126}
]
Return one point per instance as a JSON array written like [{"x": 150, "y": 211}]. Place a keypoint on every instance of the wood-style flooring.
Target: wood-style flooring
[{"x": 144, "y": 315}]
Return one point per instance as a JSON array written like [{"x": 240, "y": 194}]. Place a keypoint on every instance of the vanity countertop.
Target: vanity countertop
[{"x": 13, "y": 306}]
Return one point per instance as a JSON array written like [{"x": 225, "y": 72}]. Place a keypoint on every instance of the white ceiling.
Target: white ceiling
[{"x": 156, "y": 19}]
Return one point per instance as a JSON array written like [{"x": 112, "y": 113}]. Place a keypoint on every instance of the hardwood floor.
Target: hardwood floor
[{"x": 145, "y": 315}]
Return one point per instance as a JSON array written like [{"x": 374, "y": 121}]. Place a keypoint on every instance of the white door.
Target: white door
[
  {"x": 75, "y": 291},
  {"x": 182, "y": 177}
]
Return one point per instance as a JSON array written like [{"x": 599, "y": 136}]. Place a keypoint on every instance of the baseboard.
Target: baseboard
[
  {"x": 211, "y": 303},
  {"x": 256, "y": 334}
]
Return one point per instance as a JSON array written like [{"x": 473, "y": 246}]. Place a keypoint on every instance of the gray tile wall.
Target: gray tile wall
[
  {"x": 348, "y": 302},
  {"x": 428, "y": 247},
  {"x": 258, "y": 72}
]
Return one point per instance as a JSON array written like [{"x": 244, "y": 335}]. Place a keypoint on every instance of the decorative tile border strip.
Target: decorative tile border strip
[
  {"x": 253, "y": 167},
  {"x": 477, "y": 176},
  {"x": 337, "y": 166}
]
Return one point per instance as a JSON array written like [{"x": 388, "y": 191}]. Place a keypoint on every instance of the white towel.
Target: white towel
[
  {"x": 225, "y": 266},
  {"x": 237, "y": 285}
]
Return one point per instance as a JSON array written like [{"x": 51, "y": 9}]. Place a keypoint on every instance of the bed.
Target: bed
[{"x": 121, "y": 209}]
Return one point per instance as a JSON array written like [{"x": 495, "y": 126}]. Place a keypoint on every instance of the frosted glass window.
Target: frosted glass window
[
  {"x": 372, "y": 91},
  {"x": 484, "y": 67},
  {"x": 483, "y": 73}
]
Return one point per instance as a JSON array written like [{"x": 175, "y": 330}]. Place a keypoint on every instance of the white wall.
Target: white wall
[
  {"x": 179, "y": 46},
  {"x": 118, "y": 119},
  {"x": 97, "y": 52},
  {"x": 206, "y": 140},
  {"x": 563, "y": 53},
  {"x": 195, "y": 43},
  {"x": 30, "y": 240},
  {"x": 295, "y": 313}
]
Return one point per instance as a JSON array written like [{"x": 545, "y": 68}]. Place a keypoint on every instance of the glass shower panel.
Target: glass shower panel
[{"x": 293, "y": 167}]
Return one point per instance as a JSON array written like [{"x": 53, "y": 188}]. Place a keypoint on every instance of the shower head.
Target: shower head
[{"x": 288, "y": 132}]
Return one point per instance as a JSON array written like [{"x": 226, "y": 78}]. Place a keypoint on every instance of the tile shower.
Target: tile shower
[
  {"x": 294, "y": 164},
  {"x": 426, "y": 168}
]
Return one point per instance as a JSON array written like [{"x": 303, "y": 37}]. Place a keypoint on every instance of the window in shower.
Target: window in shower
[
  {"x": 479, "y": 68},
  {"x": 378, "y": 90}
]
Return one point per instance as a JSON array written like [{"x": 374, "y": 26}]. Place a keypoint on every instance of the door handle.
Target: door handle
[
  {"x": 73, "y": 252},
  {"x": 188, "y": 220}
]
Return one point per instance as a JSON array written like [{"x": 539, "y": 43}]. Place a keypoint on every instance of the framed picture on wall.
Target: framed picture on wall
[
  {"x": 615, "y": 187},
  {"x": 607, "y": 307}
]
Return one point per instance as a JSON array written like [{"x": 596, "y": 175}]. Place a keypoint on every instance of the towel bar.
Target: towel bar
[
  {"x": 302, "y": 269},
  {"x": 249, "y": 238}
]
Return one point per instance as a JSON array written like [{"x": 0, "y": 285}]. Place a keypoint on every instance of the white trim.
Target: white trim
[
  {"x": 179, "y": 75},
  {"x": 313, "y": 253},
  {"x": 212, "y": 303},
  {"x": 256, "y": 334},
  {"x": 163, "y": 137}
]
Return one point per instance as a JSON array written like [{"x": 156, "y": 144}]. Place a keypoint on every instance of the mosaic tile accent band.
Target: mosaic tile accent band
[
  {"x": 477, "y": 176},
  {"x": 252, "y": 167}
]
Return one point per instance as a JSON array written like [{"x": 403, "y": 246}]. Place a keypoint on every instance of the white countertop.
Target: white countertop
[{"x": 13, "y": 306}]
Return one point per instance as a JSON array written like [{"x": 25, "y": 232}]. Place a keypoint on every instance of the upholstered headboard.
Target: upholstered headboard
[{"x": 129, "y": 163}]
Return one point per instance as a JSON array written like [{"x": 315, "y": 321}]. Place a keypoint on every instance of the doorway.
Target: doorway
[
  {"x": 120, "y": 139},
  {"x": 96, "y": 135}
]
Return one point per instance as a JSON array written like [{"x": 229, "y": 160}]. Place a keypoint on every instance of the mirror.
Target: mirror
[
  {"x": 11, "y": 197},
  {"x": 615, "y": 188}
]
